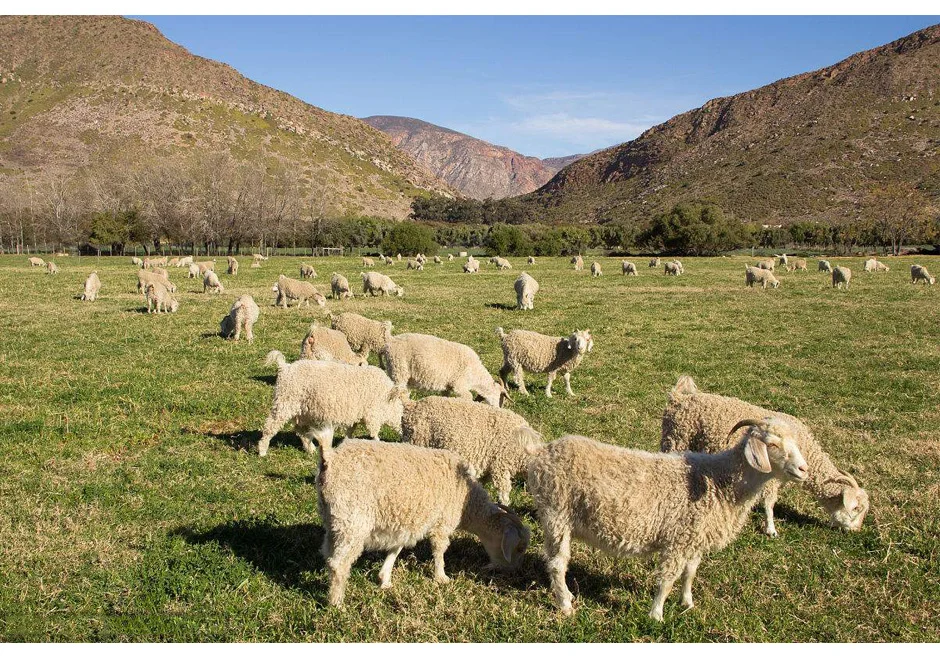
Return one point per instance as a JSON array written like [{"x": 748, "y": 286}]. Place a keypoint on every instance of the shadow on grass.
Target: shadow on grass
[
  {"x": 210, "y": 334},
  {"x": 501, "y": 307},
  {"x": 284, "y": 553},
  {"x": 248, "y": 439},
  {"x": 790, "y": 515},
  {"x": 271, "y": 380}
]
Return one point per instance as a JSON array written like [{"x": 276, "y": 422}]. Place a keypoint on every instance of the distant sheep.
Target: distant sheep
[
  {"x": 501, "y": 263},
  {"x": 672, "y": 268},
  {"x": 389, "y": 260},
  {"x": 92, "y": 286},
  {"x": 376, "y": 283},
  {"x": 920, "y": 273},
  {"x": 367, "y": 262},
  {"x": 185, "y": 261},
  {"x": 824, "y": 266},
  {"x": 450, "y": 257},
  {"x": 765, "y": 278},
  {"x": 438, "y": 261},
  {"x": 145, "y": 276},
  {"x": 258, "y": 258},
  {"x": 471, "y": 266},
  {"x": 193, "y": 271},
  {"x": 136, "y": 261},
  {"x": 841, "y": 276},
  {"x": 287, "y": 289},
  {"x": 595, "y": 269},
  {"x": 242, "y": 316},
  {"x": 339, "y": 287},
  {"x": 364, "y": 335},
  {"x": 232, "y": 266},
  {"x": 797, "y": 264},
  {"x": 766, "y": 265},
  {"x": 307, "y": 271},
  {"x": 415, "y": 265},
  {"x": 158, "y": 297},
  {"x": 654, "y": 262},
  {"x": 36, "y": 261},
  {"x": 52, "y": 268},
  {"x": 493, "y": 441},
  {"x": 525, "y": 287},
  {"x": 528, "y": 351},
  {"x": 531, "y": 260},
  {"x": 174, "y": 262},
  {"x": 205, "y": 266},
  {"x": 628, "y": 268},
  {"x": 873, "y": 265},
  {"x": 324, "y": 344},
  {"x": 578, "y": 263},
  {"x": 211, "y": 282}
]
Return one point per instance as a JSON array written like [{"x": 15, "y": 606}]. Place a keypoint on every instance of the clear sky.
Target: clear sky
[{"x": 544, "y": 86}]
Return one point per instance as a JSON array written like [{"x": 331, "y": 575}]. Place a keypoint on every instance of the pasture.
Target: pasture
[{"x": 134, "y": 507}]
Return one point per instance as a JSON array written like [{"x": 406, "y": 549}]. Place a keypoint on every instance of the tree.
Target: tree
[
  {"x": 503, "y": 240},
  {"x": 900, "y": 213},
  {"x": 694, "y": 229},
  {"x": 410, "y": 238}
]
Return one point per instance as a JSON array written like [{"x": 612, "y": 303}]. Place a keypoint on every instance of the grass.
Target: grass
[{"x": 132, "y": 509}]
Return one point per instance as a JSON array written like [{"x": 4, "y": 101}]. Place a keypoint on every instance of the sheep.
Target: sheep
[
  {"x": 679, "y": 265},
  {"x": 672, "y": 268},
  {"x": 61, "y": 254},
  {"x": 701, "y": 422},
  {"x": 145, "y": 277},
  {"x": 797, "y": 264},
  {"x": 158, "y": 296},
  {"x": 634, "y": 503},
  {"x": 174, "y": 262},
  {"x": 154, "y": 261},
  {"x": 766, "y": 265},
  {"x": 205, "y": 266},
  {"x": 255, "y": 264},
  {"x": 243, "y": 314},
  {"x": 390, "y": 496},
  {"x": 840, "y": 276},
  {"x": 339, "y": 287},
  {"x": 433, "y": 364},
  {"x": 324, "y": 344},
  {"x": 629, "y": 268},
  {"x": 783, "y": 261},
  {"x": 471, "y": 266},
  {"x": 415, "y": 265},
  {"x": 367, "y": 262},
  {"x": 159, "y": 271},
  {"x": 92, "y": 287},
  {"x": 438, "y": 260},
  {"x": 450, "y": 257},
  {"x": 595, "y": 269},
  {"x": 232, "y": 266},
  {"x": 920, "y": 273},
  {"x": 501, "y": 263},
  {"x": 493, "y": 441},
  {"x": 421, "y": 258},
  {"x": 654, "y": 262},
  {"x": 824, "y": 266},
  {"x": 754, "y": 275},
  {"x": 185, "y": 261},
  {"x": 320, "y": 396},
  {"x": 36, "y": 261},
  {"x": 528, "y": 351},
  {"x": 136, "y": 261},
  {"x": 525, "y": 287},
  {"x": 389, "y": 260},
  {"x": 578, "y": 263},
  {"x": 258, "y": 258},
  {"x": 193, "y": 271},
  {"x": 52, "y": 268},
  {"x": 376, "y": 283},
  {"x": 364, "y": 335},
  {"x": 211, "y": 282},
  {"x": 307, "y": 271},
  {"x": 873, "y": 265},
  {"x": 287, "y": 289},
  {"x": 398, "y": 256}
]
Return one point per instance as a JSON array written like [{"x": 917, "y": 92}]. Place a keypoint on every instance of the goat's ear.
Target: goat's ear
[
  {"x": 755, "y": 452},
  {"x": 511, "y": 540},
  {"x": 850, "y": 498},
  {"x": 570, "y": 342}
]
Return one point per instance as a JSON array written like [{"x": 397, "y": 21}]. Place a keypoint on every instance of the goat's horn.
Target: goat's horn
[{"x": 750, "y": 422}]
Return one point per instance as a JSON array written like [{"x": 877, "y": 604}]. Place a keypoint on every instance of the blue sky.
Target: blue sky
[{"x": 544, "y": 86}]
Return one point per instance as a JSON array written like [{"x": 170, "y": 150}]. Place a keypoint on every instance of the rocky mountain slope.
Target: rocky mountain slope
[
  {"x": 475, "y": 168},
  {"x": 808, "y": 147},
  {"x": 76, "y": 91}
]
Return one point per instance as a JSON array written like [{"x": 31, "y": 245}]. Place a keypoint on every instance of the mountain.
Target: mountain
[
  {"x": 476, "y": 168},
  {"x": 805, "y": 147},
  {"x": 77, "y": 91}
]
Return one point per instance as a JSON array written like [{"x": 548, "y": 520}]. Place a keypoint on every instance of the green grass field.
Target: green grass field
[{"x": 133, "y": 506}]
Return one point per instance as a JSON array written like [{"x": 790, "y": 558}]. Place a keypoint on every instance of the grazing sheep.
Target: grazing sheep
[
  {"x": 159, "y": 271},
  {"x": 766, "y": 265},
  {"x": 672, "y": 268},
  {"x": 36, "y": 261},
  {"x": 433, "y": 364},
  {"x": 840, "y": 276},
  {"x": 654, "y": 262},
  {"x": 525, "y": 287},
  {"x": 389, "y": 260},
  {"x": 255, "y": 264},
  {"x": 438, "y": 261},
  {"x": 920, "y": 273},
  {"x": 145, "y": 276},
  {"x": 154, "y": 261},
  {"x": 136, "y": 261},
  {"x": 376, "y": 283},
  {"x": 339, "y": 287},
  {"x": 243, "y": 315},
  {"x": 398, "y": 256},
  {"x": 193, "y": 271},
  {"x": 421, "y": 258},
  {"x": 754, "y": 275},
  {"x": 205, "y": 266},
  {"x": 873, "y": 265},
  {"x": 824, "y": 266},
  {"x": 367, "y": 262},
  {"x": 159, "y": 297},
  {"x": 287, "y": 289},
  {"x": 501, "y": 263},
  {"x": 364, "y": 335},
  {"x": 629, "y": 268},
  {"x": 211, "y": 282},
  {"x": 92, "y": 287},
  {"x": 493, "y": 441},
  {"x": 185, "y": 261},
  {"x": 701, "y": 422},
  {"x": 320, "y": 396},
  {"x": 595, "y": 269},
  {"x": 173, "y": 262},
  {"x": 635, "y": 503},
  {"x": 528, "y": 351},
  {"x": 324, "y": 344},
  {"x": 797, "y": 264},
  {"x": 390, "y": 496},
  {"x": 578, "y": 263},
  {"x": 307, "y": 271},
  {"x": 782, "y": 259},
  {"x": 471, "y": 266},
  {"x": 52, "y": 268},
  {"x": 232, "y": 266},
  {"x": 259, "y": 257},
  {"x": 415, "y": 265},
  {"x": 450, "y": 257}
]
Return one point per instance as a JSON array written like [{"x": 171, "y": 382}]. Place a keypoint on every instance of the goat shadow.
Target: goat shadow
[
  {"x": 271, "y": 380},
  {"x": 499, "y": 306},
  {"x": 790, "y": 515},
  {"x": 248, "y": 439}
]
